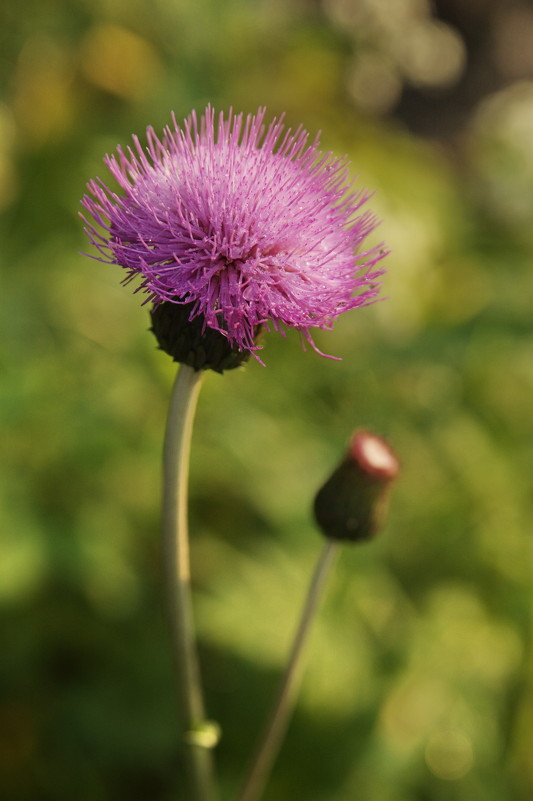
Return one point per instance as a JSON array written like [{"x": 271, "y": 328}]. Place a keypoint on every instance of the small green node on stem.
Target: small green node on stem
[{"x": 205, "y": 735}]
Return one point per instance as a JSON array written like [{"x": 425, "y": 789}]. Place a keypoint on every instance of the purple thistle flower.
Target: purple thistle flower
[{"x": 248, "y": 227}]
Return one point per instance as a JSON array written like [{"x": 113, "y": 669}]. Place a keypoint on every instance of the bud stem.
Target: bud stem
[
  {"x": 177, "y": 574},
  {"x": 284, "y": 703}
]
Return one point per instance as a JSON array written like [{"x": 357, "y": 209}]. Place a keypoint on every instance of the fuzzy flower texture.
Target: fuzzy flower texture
[{"x": 247, "y": 224}]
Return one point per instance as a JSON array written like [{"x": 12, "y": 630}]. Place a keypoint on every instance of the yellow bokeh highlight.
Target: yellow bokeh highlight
[
  {"x": 43, "y": 102},
  {"x": 119, "y": 61},
  {"x": 449, "y": 755}
]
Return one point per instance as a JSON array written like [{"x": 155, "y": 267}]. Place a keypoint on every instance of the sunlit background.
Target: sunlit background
[{"x": 419, "y": 685}]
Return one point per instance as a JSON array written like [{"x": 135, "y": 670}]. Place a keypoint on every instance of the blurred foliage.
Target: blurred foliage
[{"x": 419, "y": 686}]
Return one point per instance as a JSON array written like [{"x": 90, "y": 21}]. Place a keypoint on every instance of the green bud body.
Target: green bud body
[{"x": 352, "y": 505}]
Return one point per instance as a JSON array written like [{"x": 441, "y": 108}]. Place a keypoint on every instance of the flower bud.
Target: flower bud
[
  {"x": 352, "y": 504},
  {"x": 191, "y": 341}
]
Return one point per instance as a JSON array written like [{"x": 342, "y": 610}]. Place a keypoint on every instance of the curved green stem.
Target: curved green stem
[
  {"x": 197, "y": 737},
  {"x": 277, "y": 723}
]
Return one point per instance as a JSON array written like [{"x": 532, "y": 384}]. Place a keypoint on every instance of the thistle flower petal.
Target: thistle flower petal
[{"x": 250, "y": 225}]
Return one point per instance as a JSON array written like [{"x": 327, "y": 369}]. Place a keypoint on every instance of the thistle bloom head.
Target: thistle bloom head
[{"x": 246, "y": 225}]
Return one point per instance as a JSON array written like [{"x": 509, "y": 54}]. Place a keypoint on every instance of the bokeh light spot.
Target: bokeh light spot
[
  {"x": 449, "y": 755},
  {"x": 119, "y": 61}
]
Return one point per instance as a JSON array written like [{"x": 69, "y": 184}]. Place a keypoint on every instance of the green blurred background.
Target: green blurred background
[{"x": 419, "y": 685}]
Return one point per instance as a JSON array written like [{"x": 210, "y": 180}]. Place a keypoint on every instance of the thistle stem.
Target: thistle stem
[
  {"x": 285, "y": 700},
  {"x": 197, "y": 737}
]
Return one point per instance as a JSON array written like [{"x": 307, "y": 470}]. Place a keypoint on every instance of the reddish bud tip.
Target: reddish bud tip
[{"x": 373, "y": 455}]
